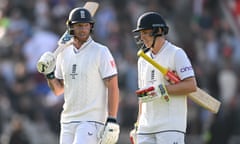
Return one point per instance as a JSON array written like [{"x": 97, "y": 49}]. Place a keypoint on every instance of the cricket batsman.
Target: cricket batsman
[
  {"x": 86, "y": 74},
  {"x": 162, "y": 116}
]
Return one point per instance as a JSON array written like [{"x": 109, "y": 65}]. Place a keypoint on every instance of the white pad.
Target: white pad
[
  {"x": 151, "y": 93},
  {"x": 110, "y": 133},
  {"x": 133, "y": 136},
  {"x": 46, "y": 64}
]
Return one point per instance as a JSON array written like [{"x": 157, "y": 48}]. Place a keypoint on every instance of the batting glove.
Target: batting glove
[
  {"x": 133, "y": 134},
  {"x": 111, "y": 132},
  {"x": 151, "y": 93},
  {"x": 46, "y": 64}
]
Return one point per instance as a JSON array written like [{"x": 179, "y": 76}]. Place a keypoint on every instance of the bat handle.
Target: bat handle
[{"x": 173, "y": 77}]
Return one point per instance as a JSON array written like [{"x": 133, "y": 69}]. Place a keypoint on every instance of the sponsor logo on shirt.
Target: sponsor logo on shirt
[{"x": 184, "y": 69}]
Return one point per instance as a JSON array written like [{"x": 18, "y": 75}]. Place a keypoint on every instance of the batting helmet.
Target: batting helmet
[
  {"x": 79, "y": 15},
  {"x": 151, "y": 20}
]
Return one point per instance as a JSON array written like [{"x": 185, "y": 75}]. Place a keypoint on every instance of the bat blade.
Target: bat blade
[
  {"x": 200, "y": 97},
  {"x": 91, "y": 7},
  {"x": 203, "y": 99}
]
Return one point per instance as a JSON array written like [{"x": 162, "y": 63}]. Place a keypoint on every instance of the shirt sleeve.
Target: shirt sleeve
[
  {"x": 58, "y": 72},
  {"x": 108, "y": 66},
  {"x": 183, "y": 65}
]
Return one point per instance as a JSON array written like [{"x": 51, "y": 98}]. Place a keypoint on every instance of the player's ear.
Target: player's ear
[{"x": 92, "y": 27}]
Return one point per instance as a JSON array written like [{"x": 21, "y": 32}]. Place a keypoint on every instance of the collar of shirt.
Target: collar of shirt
[{"x": 84, "y": 45}]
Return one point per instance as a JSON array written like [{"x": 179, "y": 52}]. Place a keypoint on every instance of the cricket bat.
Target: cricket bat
[
  {"x": 66, "y": 39},
  {"x": 200, "y": 97}
]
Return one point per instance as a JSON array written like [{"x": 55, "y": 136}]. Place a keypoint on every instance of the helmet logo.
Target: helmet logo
[
  {"x": 157, "y": 25},
  {"x": 82, "y": 14}
]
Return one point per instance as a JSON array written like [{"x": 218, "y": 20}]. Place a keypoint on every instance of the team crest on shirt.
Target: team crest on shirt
[
  {"x": 74, "y": 69},
  {"x": 152, "y": 76}
]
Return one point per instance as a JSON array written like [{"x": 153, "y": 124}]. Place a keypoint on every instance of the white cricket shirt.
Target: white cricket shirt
[
  {"x": 159, "y": 115},
  {"x": 83, "y": 72}
]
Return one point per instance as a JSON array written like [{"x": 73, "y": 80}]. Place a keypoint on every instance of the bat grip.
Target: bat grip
[{"x": 172, "y": 77}]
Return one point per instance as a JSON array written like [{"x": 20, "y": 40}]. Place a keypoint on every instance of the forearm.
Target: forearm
[
  {"x": 56, "y": 86},
  {"x": 113, "y": 101},
  {"x": 182, "y": 88},
  {"x": 113, "y": 96},
  {"x": 113, "y": 104}
]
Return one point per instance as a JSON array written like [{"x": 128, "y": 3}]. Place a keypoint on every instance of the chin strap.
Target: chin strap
[{"x": 154, "y": 39}]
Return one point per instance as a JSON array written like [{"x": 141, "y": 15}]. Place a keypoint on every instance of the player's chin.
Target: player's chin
[
  {"x": 148, "y": 45},
  {"x": 82, "y": 38}
]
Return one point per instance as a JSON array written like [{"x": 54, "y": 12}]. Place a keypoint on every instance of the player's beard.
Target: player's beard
[{"x": 81, "y": 37}]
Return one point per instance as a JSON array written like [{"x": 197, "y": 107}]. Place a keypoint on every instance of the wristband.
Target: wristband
[
  {"x": 111, "y": 119},
  {"x": 163, "y": 92},
  {"x": 50, "y": 75}
]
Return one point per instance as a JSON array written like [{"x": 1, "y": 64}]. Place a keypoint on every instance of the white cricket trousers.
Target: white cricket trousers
[
  {"x": 161, "y": 138},
  {"x": 80, "y": 133}
]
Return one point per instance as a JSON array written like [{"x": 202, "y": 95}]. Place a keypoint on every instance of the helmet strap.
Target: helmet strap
[
  {"x": 154, "y": 39},
  {"x": 155, "y": 34}
]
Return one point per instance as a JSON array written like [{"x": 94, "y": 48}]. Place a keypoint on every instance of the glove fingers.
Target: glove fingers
[
  {"x": 133, "y": 136},
  {"x": 42, "y": 66},
  {"x": 46, "y": 63},
  {"x": 110, "y": 134}
]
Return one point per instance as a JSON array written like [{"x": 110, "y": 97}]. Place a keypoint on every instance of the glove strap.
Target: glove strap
[
  {"x": 163, "y": 92},
  {"x": 111, "y": 119},
  {"x": 50, "y": 75}
]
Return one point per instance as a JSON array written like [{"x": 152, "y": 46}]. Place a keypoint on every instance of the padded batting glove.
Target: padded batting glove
[
  {"x": 133, "y": 134},
  {"x": 151, "y": 93},
  {"x": 111, "y": 132},
  {"x": 46, "y": 64}
]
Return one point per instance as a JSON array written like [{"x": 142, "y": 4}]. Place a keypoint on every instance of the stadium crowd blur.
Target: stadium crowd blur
[{"x": 208, "y": 30}]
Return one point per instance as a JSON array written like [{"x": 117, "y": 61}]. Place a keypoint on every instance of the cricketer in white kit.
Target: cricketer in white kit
[
  {"x": 85, "y": 72},
  {"x": 162, "y": 116},
  {"x": 85, "y": 93}
]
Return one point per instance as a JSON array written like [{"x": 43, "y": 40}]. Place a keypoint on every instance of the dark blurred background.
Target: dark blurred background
[{"x": 208, "y": 30}]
